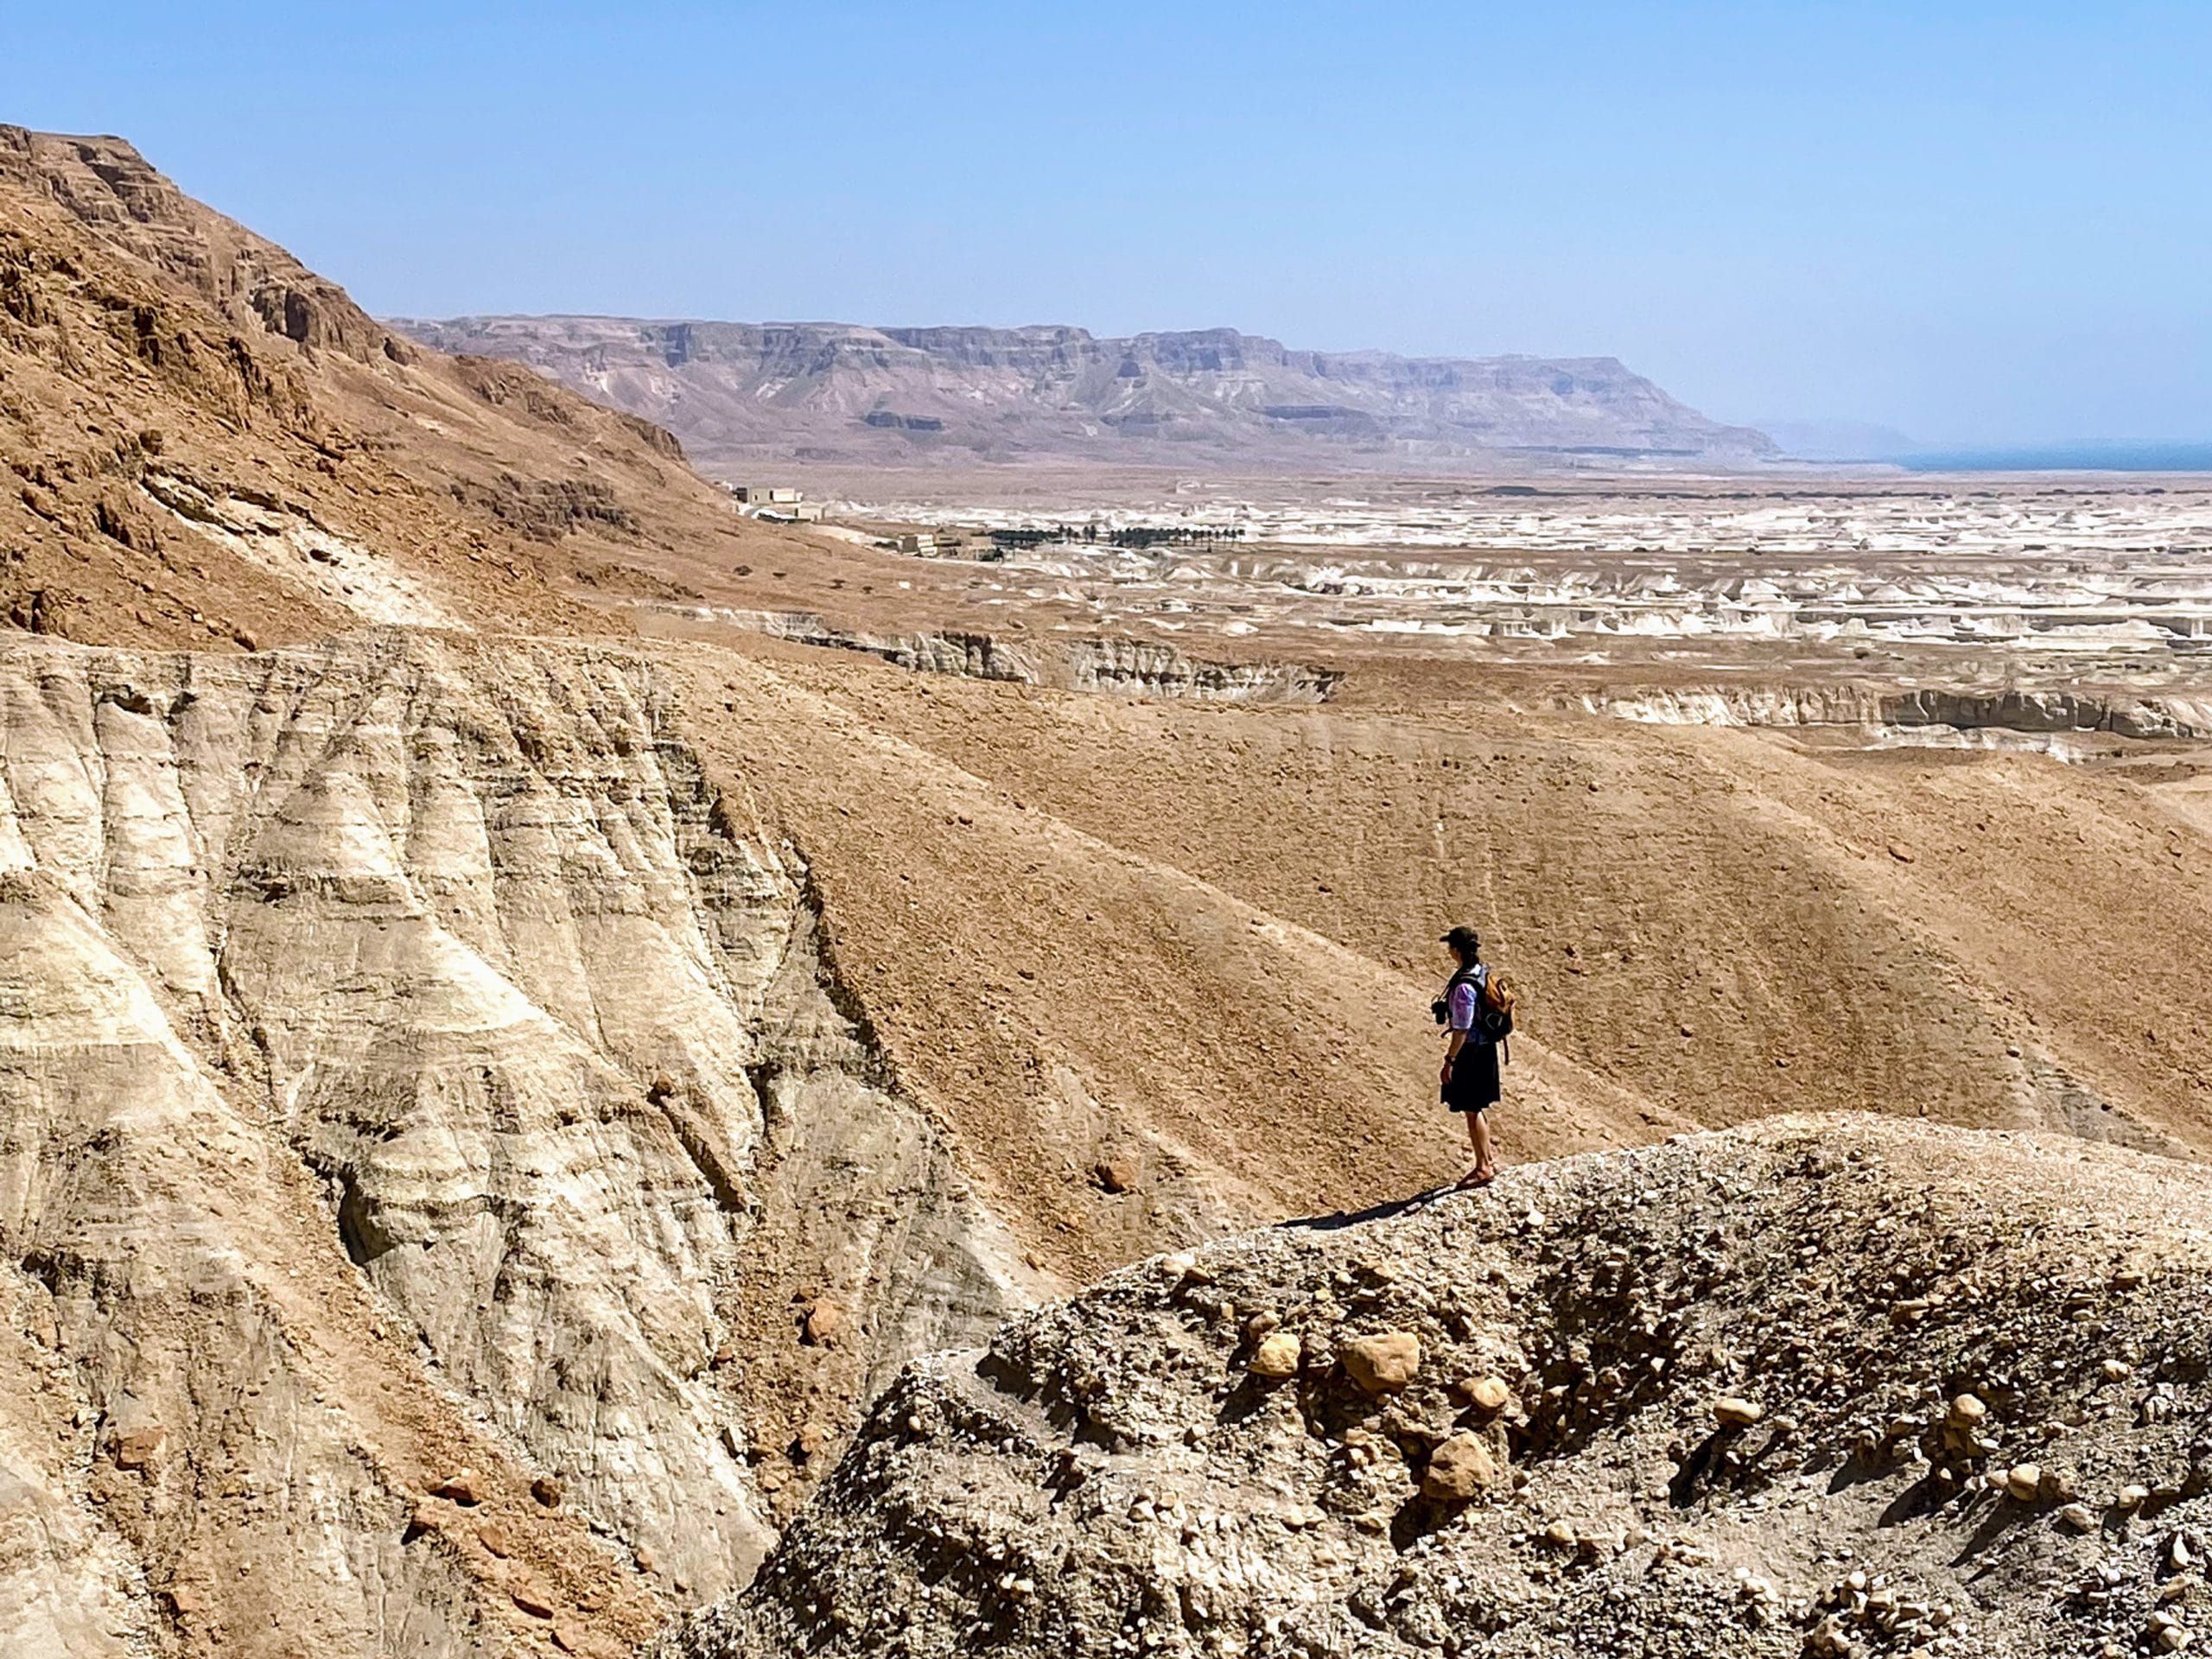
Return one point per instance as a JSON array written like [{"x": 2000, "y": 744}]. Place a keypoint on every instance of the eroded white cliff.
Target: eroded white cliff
[{"x": 436, "y": 976}]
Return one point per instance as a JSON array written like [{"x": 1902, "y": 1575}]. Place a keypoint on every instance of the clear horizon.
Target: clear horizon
[{"x": 1983, "y": 226}]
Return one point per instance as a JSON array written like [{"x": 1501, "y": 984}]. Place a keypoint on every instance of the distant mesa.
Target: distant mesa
[{"x": 738, "y": 394}]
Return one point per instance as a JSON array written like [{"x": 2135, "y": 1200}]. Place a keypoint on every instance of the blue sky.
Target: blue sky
[{"x": 1982, "y": 224}]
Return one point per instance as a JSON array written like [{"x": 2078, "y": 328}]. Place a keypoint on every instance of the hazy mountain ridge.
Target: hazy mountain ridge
[{"x": 737, "y": 391}]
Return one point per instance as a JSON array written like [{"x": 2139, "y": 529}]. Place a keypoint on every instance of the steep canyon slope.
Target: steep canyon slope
[
  {"x": 409, "y": 1053},
  {"x": 1711, "y": 924}
]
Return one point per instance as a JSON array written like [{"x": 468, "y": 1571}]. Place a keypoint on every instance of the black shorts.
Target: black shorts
[{"x": 1473, "y": 1086}]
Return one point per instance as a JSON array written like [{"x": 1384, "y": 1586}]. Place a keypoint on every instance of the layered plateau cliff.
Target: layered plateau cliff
[{"x": 740, "y": 393}]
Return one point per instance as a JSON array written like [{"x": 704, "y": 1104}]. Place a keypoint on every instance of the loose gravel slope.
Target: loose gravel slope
[{"x": 1836, "y": 1386}]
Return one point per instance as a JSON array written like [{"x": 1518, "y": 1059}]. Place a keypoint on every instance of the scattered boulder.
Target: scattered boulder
[
  {"x": 548, "y": 1491},
  {"x": 465, "y": 1488},
  {"x": 1114, "y": 1174},
  {"x": 1965, "y": 1412},
  {"x": 134, "y": 1448},
  {"x": 1487, "y": 1395},
  {"x": 1460, "y": 1468},
  {"x": 824, "y": 1321},
  {"x": 531, "y": 1596},
  {"x": 1734, "y": 1412},
  {"x": 494, "y": 1537},
  {"x": 1276, "y": 1357},
  {"x": 1383, "y": 1363}
]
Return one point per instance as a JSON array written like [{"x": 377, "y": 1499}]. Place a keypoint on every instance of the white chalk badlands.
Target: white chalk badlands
[{"x": 450, "y": 955}]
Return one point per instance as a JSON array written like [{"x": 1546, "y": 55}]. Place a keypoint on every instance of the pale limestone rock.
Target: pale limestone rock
[
  {"x": 1488, "y": 1395},
  {"x": 1733, "y": 1411},
  {"x": 381, "y": 950}
]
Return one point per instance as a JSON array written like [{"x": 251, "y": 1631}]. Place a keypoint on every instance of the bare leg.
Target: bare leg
[{"x": 1479, "y": 1142}]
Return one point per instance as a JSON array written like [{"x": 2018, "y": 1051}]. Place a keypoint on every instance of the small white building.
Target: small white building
[
  {"x": 766, "y": 495},
  {"x": 917, "y": 541}
]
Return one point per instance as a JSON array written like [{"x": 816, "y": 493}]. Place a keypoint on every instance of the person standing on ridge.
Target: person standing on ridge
[{"x": 1477, "y": 1012}]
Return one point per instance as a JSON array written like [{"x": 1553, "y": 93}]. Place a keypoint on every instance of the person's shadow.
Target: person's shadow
[{"x": 1337, "y": 1220}]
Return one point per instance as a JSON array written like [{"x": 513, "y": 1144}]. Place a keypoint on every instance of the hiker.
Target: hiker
[{"x": 1477, "y": 1012}]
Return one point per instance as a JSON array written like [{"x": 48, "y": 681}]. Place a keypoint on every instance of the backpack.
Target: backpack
[
  {"x": 1494, "y": 996},
  {"x": 1493, "y": 1007}
]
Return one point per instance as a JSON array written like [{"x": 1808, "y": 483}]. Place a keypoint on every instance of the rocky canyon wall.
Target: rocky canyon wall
[{"x": 409, "y": 1049}]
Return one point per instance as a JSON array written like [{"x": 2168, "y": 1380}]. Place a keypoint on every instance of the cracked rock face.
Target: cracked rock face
[
  {"x": 1728, "y": 1424},
  {"x": 381, "y": 1095}
]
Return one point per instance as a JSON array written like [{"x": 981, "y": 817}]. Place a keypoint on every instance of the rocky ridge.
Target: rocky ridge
[
  {"x": 1830, "y": 1387},
  {"x": 746, "y": 393},
  {"x": 2028, "y": 712},
  {"x": 1131, "y": 667}
]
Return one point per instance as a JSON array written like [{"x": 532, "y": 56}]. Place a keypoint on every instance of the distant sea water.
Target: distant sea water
[{"x": 2066, "y": 458}]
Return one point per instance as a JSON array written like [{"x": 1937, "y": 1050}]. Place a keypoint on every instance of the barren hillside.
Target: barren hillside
[
  {"x": 208, "y": 445},
  {"x": 743, "y": 393},
  {"x": 530, "y": 998},
  {"x": 1826, "y": 1387}
]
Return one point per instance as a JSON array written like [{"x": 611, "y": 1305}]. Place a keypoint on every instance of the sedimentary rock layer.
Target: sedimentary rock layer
[
  {"x": 382, "y": 1093},
  {"x": 744, "y": 392}
]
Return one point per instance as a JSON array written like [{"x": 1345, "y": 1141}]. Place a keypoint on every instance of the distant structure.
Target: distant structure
[
  {"x": 777, "y": 503},
  {"x": 917, "y": 541}
]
